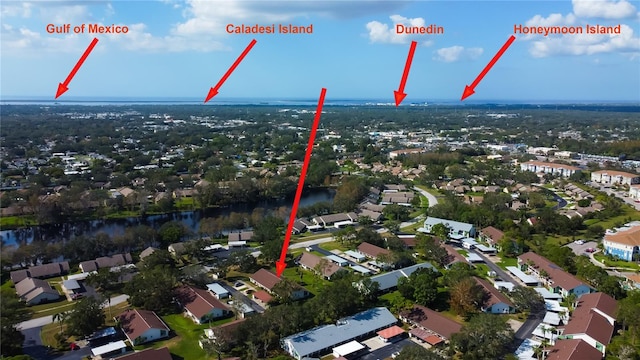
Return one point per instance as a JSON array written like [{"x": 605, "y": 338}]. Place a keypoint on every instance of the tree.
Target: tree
[
  {"x": 434, "y": 252},
  {"x": 467, "y": 297},
  {"x": 270, "y": 228},
  {"x": 12, "y": 312},
  {"x": 441, "y": 231},
  {"x": 85, "y": 317},
  {"x": 171, "y": 232},
  {"x": 526, "y": 299},
  {"x": 415, "y": 352},
  {"x": 486, "y": 336},
  {"x": 421, "y": 286},
  {"x": 629, "y": 314},
  {"x": 396, "y": 212},
  {"x": 457, "y": 272},
  {"x": 60, "y": 318},
  {"x": 152, "y": 289}
]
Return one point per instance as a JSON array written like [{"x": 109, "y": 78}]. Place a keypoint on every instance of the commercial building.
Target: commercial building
[
  {"x": 549, "y": 168},
  {"x": 613, "y": 177}
]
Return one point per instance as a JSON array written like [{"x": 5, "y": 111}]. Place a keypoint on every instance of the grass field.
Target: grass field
[
  {"x": 13, "y": 222},
  {"x": 507, "y": 262},
  {"x": 616, "y": 263},
  {"x": 310, "y": 281}
]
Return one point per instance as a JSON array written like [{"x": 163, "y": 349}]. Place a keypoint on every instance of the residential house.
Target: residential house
[
  {"x": 457, "y": 230},
  {"x": 634, "y": 192},
  {"x": 323, "y": 339},
  {"x": 40, "y": 271},
  {"x": 389, "y": 280},
  {"x": 146, "y": 252},
  {"x": 336, "y": 220},
  {"x": 105, "y": 262},
  {"x": 372, "y": 251},
  {"x": 200, "y": 305},
  {"x": 142, "y": 326},
  {"x": 497, "y": 302},
  {"x": 623, "y": 244},
  {"x": 395, "y": 153},
  {"x": 218, "y": 291},
  {"x": 267, "y": 280},
  {"x": 149, "y": 354},
  {"x": 574, "y": 349},
  {"x": 550, "y": 274},
  {"x": 316, "y": 264},
  {"x": 400, "y": 198},
  {"x": 613, "y": 177},
  {"x": 429, "y": 326},
  {"x": 592, "y": 321},
  {"x": 176, "y": 249},
  {"x": 240, "y": 236},
  {"x": 35, "y": 291},
  {"x": 491, "y": 235},
  {"x": 549, "y": 168}
]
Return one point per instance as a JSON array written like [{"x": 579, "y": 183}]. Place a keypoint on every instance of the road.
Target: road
[
  {"x": 534, "y": 320},
  {"x": 433, "y": 201},
  {"x": 42, "y": 321}
]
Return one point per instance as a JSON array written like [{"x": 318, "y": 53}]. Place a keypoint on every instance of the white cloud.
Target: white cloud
[
  {"x": 604, "y": 9},
  {"x": 16, "y": 9},
  {"x": 383, "y": 33},
  {"x": 625, "y": 43},
  {"x": 456, "y": 53},
  {"x": 587, "y": 44}
]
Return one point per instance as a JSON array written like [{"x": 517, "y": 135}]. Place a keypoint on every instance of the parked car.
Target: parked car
[
  {"x": 590, "y": 250},
  {"x": 579, "y": 242},
  {"x": 76, "y": 296}
]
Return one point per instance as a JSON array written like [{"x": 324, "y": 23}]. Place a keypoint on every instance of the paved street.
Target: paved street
[{"x": 433, "y": 201}]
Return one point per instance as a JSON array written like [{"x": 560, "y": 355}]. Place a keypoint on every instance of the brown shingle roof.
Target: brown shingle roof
[
  {"x": 494, "y": 234},
  {"x": 149, "y": 354},
  {"x": 592, "y": 324},
  {"x": 600, "y": 301},
  {"x": 495, "y": 296},
  {"x": 197, "y": 301},
  {"x": 573, "y": 349},
  {"x": 136, "y": 322},
  {"x": 432, "y": 320},
  {"x": 558, "y": 276},
  {"x": 40, "y": 271},
  {"x": 311, "y": 261},
  {"x": 265, "y": 278},
  {"x": 371, "y": 250},
  {"x": 105, "y": 262}
]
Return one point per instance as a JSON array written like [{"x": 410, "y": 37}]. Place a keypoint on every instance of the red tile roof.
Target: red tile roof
[
  {"x": 199, "y": 302},
  {"x": 390, "y": 332},
  {"x": 371, "y": 250},
  {"x": 265, "y": 278},
  {"x": 136, "y": 322},
  {"x": 592, "y": 324},
  {"x": 573, "y": 349},
  {"x": 558, "y": 276},
  {"x": 431, "y": 320}
]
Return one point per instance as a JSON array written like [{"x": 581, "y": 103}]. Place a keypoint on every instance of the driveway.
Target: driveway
[
  {"x": 242, "y": 297},
  {"x": 386, "y": 351}
]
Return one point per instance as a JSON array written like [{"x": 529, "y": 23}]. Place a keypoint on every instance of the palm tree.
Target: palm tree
[{"x": 60, "y": 317}]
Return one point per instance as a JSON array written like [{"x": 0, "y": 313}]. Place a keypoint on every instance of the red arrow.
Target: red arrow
[
  {"x": 214, "y": 90},
  {"x": 281, "y": 264},
  {"x": 399, "y": 94},
  {"x": 470, "y": 90},
  {"x": 63, "y": 86}
]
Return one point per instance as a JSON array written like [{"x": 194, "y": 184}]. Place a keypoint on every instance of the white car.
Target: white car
[
  {"x": 579, "y": 242},
  {"x": 395, "y": 354}
]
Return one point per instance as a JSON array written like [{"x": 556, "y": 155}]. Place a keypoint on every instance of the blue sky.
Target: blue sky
[{"x": 181, "y": 49}]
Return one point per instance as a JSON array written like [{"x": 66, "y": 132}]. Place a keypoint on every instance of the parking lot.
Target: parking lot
[{"x": 581, "y": 249}]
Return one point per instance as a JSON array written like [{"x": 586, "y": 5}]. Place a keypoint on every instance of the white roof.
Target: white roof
[
  {"x": 551, "y": 318},
  {"x": 525, "y": 351},
  {"x": 472, "y": 257},
  {"x": 470, "y": 241},
  {"x": 455, "y": 226},
  {"x": 80, "y": 276},
  {"x": 217, "y": 288},
  {"x": 237, "y": 243},
  {"x": 548, "y": 334},
  {"x": 71, "y": 284},
  {"x": 504, "y": 284},
  {"x": 546, "y": 294},
  {"x": 104, "y": 349},
  {"x": 361, "y": 269},
  {"x": 354, "y": 254},
  {"x": 553, "y": 305},
  {"x": 527, "y": 279},
  {"x": 485, "y": 248},
  {"x": 337, "y": 259},
  {"x": 212, "y": 247},
  {"x": 348, "y": 348}
]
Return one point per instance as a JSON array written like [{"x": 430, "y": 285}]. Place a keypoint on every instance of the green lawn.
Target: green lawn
[
  {"x": 463, "y": 252},
  {"x": 616, "y": 263},
  {"x": 507, "y": 262},
  {"x": 12, "y": 222},
  {"x": 333, "y": 245},
  {"x": 306, "y": 278},
  {"x": 185, "y": 343}
]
